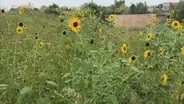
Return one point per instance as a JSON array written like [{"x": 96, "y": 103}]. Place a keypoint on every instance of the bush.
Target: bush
[{"x": 52, "y": 9}]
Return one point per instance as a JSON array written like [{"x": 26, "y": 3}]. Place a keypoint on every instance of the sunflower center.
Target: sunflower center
[
  {"x": 21, "y": 24},
  {"x": 2, "y": 11},
  {"x": 168, "y": 16},
  {"x": 147, "y": 44},
  {"x": 175, "y": 24},
  {"x": 64, "y": 33},
  {"x": 19, "y": 30},
  {"x": 149, "y": 54},
  {"x": 124, "y": 48},
  {"x": 92, "y": 41},
  {"x": 75, "y": 24},
  {"x": 133, "y": 58}
]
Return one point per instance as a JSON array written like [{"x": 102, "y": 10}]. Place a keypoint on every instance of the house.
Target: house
[{"x": 166, "y": 6}]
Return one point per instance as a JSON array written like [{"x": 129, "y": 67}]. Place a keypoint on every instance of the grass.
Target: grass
[{"x": 68, "y": 69}]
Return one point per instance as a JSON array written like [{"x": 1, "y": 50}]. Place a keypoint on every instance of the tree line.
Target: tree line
[{"x": 117, "y": 8}]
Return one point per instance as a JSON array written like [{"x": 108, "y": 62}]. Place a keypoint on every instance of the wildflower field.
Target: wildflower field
[{"x": 78, "y": 58}]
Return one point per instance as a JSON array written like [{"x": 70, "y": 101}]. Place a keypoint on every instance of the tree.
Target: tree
[
  {"x": 119, "y": 3},
  {"x": 119, "y": 7},
  {"x": 133, "y": 9},
  {"x": 52, "y": 9},
  {"x": 92, "y": 8},
  {"x": 179, "y": 11},
  {"x": 156, "y": 10},
  {"x": 141, "y": 8},
  {"x": 53, "y": 6},
  {"x": 123, "y": 9}
]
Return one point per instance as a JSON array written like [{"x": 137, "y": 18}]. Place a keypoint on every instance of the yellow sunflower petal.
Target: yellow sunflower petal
[
  {"x": 19, "y": 30},
  {"x": 74, "y": 24}
]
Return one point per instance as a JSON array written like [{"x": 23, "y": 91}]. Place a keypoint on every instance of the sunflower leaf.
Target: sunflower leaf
[
  {"x": 136, "y": 69},
  {"x": 25, "y": 90},
  {"x": 51, "y": 83}
]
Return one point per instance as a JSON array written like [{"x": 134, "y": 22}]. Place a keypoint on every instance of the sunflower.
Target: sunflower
[
  {"x": 148, "y": 37},
  {"x": 92, "y": 41},
  {"x": 117, "y": 50},
  {"x": 2, "y": 11},
  {"x": 182, "y": 50},
  {"x": 41, "y": 44},
  {"x": 74, "y": 24},
  {"x": 157, "y": 20},
  {"x": 131, "y": 59},
  {"x": 147, "y": 53},
  {"x": 153, "y": 16},
  {"x": 182, "y": 30},
  {"x": 64, "y": 32},
  {"x": 19, "y": 30},
  {"x": 147, "y": 44},
  {"x": 161, "y": 51},
  {"x": 124, "y": 48},
  {"x": 36, "y": 35},
  {"x": 100, "y": 31},
  {"x": 172, "y": 11},
  {"x": 110, "y": 18},
  {"x": 175, "y": 24},
  {"x": 164, "y": 79},
  {"x": 168, "y": 20},
  {"x": 21, "y": 24},
  {"x": 57, "y": 9},
  {"x": 180, "y": 27},
  {"x": 25, "y": 27},
  {"x": 150, "y": 22},
  {"x": 169, "y": 16},
  {"x": 74, "y": 13},
  {"x": 21, "y": 9}
]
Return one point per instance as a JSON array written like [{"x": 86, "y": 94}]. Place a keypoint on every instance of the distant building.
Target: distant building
[{"x": 166, "y": 6}]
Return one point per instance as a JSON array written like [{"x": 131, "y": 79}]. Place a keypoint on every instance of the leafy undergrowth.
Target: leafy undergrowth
[{"x": 48, "y": 63}]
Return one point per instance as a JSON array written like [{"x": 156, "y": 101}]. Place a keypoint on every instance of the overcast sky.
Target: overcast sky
[{"x": 74, "y": 3}]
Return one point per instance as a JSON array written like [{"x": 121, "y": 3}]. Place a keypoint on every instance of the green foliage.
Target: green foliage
[
  {"x": 52, "y": 9},
  {"x": 180, "y": 10},
  {"x": 70, "y": 69},
  {"x": 118, "y": 7},
  {"x": 119, "y": 3},
  {"x": 92, "y": 8},
  {"x": 157, "y": 11},
  {"x": 140, "y": 8},
  {"x": 133, "y": 9}
]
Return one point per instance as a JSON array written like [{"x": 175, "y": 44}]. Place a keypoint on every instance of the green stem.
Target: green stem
[
  {"x": 34, "y": 65},
  {"x": 14, "y": 58}
]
